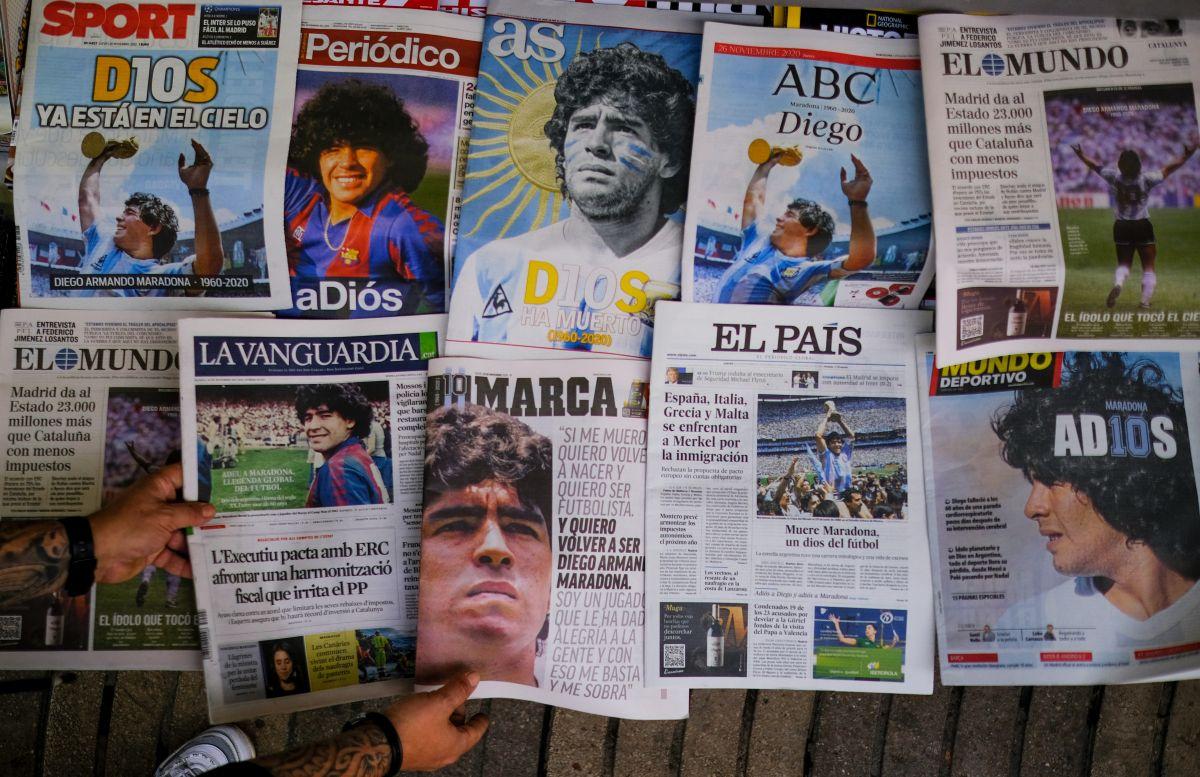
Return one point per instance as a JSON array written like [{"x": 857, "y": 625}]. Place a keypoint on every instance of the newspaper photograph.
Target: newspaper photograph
[
  {"x": 810, "y": 182},
  {"x": 573, "y": 206},
  {"x": 307, "y": 438},
  {"x": 152, "y": 143},
  {"x": 1064, "y": 516},
  {"x": 785, "y": 534},
  {"x": 1063, "y": 158},
  {"x": 874, "y": 23},
  {"x": 533, "y": 535},
  {"x": 384, "y": 98},
  {"x": 91, "y": 405}
]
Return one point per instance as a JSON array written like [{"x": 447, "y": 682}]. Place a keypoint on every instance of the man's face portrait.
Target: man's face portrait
[
  {"x": 1079, "y": 540},
  {"x": 672, "y": 375},
  {"x": 869, "y": 631},
  {"x": 131, "y": 231},
  {"x": 325, "y": 429},
  {"x": 350, "y": 173},
  {"x": 835, "y": 444},
  {"x": 610, "y": 160},
  {"x": 854, "y": 501},
  {"x": 789, "y": 231}
]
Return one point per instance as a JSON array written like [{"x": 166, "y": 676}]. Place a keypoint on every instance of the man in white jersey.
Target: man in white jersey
[
  {"x": 621, "y": 131},
  {"x": 1122, "y": 526},
  {"x": 1129, "y": 189}
]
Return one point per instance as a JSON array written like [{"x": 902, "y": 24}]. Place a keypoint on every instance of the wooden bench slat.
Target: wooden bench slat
[
  {"x": 848, "y": 734},
  {"x": 712, "y": 739},
  {"x": 1181, "y": 751},
  {"x": 996, "y": 711},
  {"x": 510, "y": 748},
  {"x": 73, "y": 726},
  {"x": 782, "y": 722},
  {"x": 577, "y": 744},
  {"x": 140, "y": 704},
  {"x": 1124, "y": 744},
  {"x": 20, "y": 720},
  {"x": 648, "y": 748},
  {"x": 1056, "y": 734},
  {"x": 915, "y": 734}
]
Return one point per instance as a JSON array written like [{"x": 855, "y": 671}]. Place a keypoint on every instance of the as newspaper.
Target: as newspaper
[
  {"x": 1065, "y": 179},
  {"x": 1063, "y": 516},
  {"x": 572, "y": 206},
  {"x": 384, "y": 98},
  {"x": 90, "y": 406},
  {"x": 533, "y": 534},
  {"x": 786, "y": 541},
  {"x": 153, "y": 139},
  {"x": 810, "y": 183},
  {"x": 307, "y": 438}
]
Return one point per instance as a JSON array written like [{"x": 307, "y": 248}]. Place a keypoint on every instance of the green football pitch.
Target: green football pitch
[
  {"x": 264, "y": 479},
  {"x": 854, "y": 663},
  {"x": 122, "y": 625},
  {"x": 1091, "y": 261}
]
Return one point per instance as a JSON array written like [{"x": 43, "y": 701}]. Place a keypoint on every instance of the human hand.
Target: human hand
[
  {"x": 858, "y": 187},
  {"x": 145, "y": 526},
  {"x": 834, "y": 619},
  {"x": 195, "y": 175},
  {"x": 433, "y": 727},
  {"x": 1078, "y": 149}
]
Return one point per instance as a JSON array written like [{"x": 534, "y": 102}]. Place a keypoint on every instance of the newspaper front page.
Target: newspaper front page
[
  {"x": 1063, "y": 518},
  {"x": 153, "y": 144},
  {"x": 1062, "y": 156},
  {"x": 810, "y": 184},
  {"x": 306, "y": 437},
  {"x": 533, "y": 534},
  {"x": 384, "y": 98},
  {"x": 786, "y": 540},
  {"x": 91, "y": 405}
]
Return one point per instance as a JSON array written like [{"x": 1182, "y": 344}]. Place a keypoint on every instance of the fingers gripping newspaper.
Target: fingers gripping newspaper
[
  {"x": 306, "y": 437},
  {"x": 90, "y": 406},
  {"x": 787, "y": 540},
  {"x": 152, "y": 150},
  {"x": 1063, "y": 160},
  {"x": 532, "y": 537},
  {"x": 1063, "y": 516}
]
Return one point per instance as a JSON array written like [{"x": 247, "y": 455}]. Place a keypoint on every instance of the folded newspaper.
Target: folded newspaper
[
  {"x": 1063, "y": 516},
  {"x": 153, "y": 140},
  {"x": 810, "y": 184},
  {"x": 786, "y": 545},
  {"x": 91, "y": 405},
  {"x": 307, "y": 438},
  {"x": 532, "y": 537},
  {"x": 1065, "y": 179},
  {"x": 384, "y": 98}
]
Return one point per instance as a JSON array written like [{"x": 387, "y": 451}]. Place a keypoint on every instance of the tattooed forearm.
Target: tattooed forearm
[
  {"x": 33, "y": 560},
  {"x": 360, "y": 752}
]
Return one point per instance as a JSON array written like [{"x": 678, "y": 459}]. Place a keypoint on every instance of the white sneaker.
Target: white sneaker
[{"x": 206, "y": 751}]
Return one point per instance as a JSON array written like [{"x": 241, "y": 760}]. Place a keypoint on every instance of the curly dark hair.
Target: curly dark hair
[
  {"x": 156, "y": 213},
  {"x": 471, "y": 444},
  {"x": 643, "y": 83},
  {"x": 356, "y": 113},
  {"x": 1129, "y": 163},
  {"x": 345, "y": 399},
  {"x": 810, "y": 215},
  {"x": 1149, "y": 499}
]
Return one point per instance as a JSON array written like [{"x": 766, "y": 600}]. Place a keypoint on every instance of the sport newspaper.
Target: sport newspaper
[
  {"x": 418, "y": 70},
  {"x": 544, "y": 595},
  {"x": 1029, "y": 119},
  {"x": 90, "y": 406},
  {"x": 307, "y": 438},
  {"x": 830, "y": 128},
  {"x": 539, "y": 267},
  {"x": 1033, "y": 579},
  {"x": 786, "y": 532},
  {"x": 153, "y": 145}
]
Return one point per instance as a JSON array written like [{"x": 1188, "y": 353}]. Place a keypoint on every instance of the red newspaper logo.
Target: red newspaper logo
[
  {"x": 1163, "y": 652},
  {"x": 973, "y": 658},
  {"x": 1065, "y": 656},
  {"x": 121, "y": 20}
]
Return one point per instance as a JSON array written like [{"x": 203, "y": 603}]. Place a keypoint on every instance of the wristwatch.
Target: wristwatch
[
  {"x": 81, "y": 570},
  {"x": 389, "y": 732}
]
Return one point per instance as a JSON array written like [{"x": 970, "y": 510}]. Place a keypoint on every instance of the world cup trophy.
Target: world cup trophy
[
  {"x": 94, "y": 144},
  {"x": 760, "y": 151}
]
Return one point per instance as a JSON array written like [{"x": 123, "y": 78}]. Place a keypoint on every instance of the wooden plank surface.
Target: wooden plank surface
[
  {"x": 141, "y": 701},
  {"x": 712, "y": 740},
  {"x": 73, "y": 725},
  {"x": 649, "y": 748},
  {"x": 1125, "y": 739},
  {"x": 916, "y": 730},
  {"x": 510, "y": 748},
  {"x": 576, "y": 745},
  {"x": 849, "y": 734},
  {"x": 1181, "y": 748},
  {"x": 1057, "y": 736},
  {"x": 779, "y": 735},
  {"x": 990, "y": 727},
  {"x": 20, "y": 720}
]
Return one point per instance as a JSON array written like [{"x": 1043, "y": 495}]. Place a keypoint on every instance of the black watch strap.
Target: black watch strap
[
  {"x": 857, "y": 202},
  {"x": 81, "y": 571},
  {"x": 389, "y": 732}
]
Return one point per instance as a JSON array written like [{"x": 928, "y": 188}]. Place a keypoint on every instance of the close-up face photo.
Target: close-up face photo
[
  {"x": 325, "y": 428},
  {"x": 351, "y": 172}
]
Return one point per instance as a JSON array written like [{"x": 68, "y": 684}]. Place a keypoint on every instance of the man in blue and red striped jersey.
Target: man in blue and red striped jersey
[
  {"x": 335, "y": 416},
  {"x": 357, "y": 244}
]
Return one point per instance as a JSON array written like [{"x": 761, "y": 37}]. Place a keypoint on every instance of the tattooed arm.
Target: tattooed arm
[{"x": 142, "y": 526}]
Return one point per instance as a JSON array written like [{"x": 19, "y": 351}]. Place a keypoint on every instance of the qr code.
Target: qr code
[
  {"x": 970, "y": 328},
  {"x": 10, "y": 628},
  {"x": 674, "y": 656}
]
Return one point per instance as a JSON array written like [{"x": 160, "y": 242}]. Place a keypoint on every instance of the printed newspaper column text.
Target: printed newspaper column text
[{"x": 46, "y": 427}]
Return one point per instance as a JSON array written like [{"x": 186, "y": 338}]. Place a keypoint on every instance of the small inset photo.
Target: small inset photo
[
  {"x": 679, "y": 375},
  {"x": 285, "y": 667},
  {"x": 859, "y": 643},
  {"x": 805, "y": 379},
  {"x": 703, "y": 639},
  {"x": 385, "y": 654}
]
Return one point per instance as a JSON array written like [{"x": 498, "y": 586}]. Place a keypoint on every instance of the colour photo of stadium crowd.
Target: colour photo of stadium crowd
[
  {"x": 839, "y": 457},
  {"x": 287, "y": 447}
]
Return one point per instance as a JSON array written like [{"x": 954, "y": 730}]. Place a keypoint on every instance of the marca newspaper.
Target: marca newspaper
[
  {"x": 90, "y": 406},
  {"x": 1064, "y": 516},
  {"x": 369, "y": 234},
  {"x": 568, "y": 244},
  {"x": 786, "y": 541},
  {"x": 822, "y": 131},
  {"x": 533, "y": 534},
  {"x": 152, "y": 145},
  {"x": 1062, "y": 156},
  {"x": 307, "y": 438}
]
